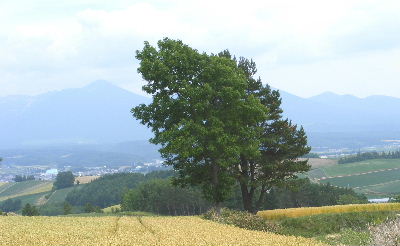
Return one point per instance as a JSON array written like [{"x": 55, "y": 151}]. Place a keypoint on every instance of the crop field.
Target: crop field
[
  {"x": 381, "y": 189},
  {"x": 307, "y": 211},
  {"x": 86, "y": 179},
  {"x": 361, "y": 167},
  {"x": 12, "y": 190},
  {"x": 364, "y": 179},
  {"x": 85, "y": 231},
  {"x": 375, "y": 178}
]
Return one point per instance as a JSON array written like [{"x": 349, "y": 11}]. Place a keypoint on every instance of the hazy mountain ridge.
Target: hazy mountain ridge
[
  {"x": 100, "y": 114},
  {"x": 97, "y": 113}
]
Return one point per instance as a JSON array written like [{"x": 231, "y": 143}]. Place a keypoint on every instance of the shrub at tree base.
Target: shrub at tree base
[
  {"x": 298, "y": 212},
  {"x": 324, "y": 224},
  {"x": 241, "y": 219}
]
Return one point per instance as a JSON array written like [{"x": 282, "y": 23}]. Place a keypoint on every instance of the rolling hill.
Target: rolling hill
[{"x": 375, "y": 178}]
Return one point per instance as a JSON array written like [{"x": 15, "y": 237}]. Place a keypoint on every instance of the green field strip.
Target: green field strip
[
  {"x": 60, "y": 195},
  {"x": 355, "y": 174},
  {"x": 361, "y": 167},
  {"x": 316, "y": 173},
  {"x": 4, "y": 187},
  {"x": 364, "y": 179},
  {"x": 388, "y": 188},
  {"x": 25, "y": 188}
]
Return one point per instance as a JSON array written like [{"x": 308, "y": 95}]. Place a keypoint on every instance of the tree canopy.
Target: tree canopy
[
  {"x": 64, "y": 180},
  {"x": 215, "y": 123}
]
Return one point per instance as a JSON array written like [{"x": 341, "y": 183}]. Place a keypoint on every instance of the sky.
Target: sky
[{"x": 303, "y": 47}]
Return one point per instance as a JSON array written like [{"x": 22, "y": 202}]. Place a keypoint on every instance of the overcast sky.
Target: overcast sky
[{"x": 302, "y": 47}]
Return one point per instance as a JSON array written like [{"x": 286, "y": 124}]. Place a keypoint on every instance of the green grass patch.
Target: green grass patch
[
  {"x": 58, "y": 196},
  {"x": 347, "y": 237},
  {"x": 360, "y": 167},
  {"x": 325, "y": 224},
  {"x": 365, "y": 179}
]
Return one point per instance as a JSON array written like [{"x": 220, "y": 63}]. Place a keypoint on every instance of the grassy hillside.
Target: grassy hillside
[
  {"x": 377, "y": 177},
  {"x": 160, "y": 231},
  {"x": 59, "y": 195},
  {"x": 12, "y": 190}
]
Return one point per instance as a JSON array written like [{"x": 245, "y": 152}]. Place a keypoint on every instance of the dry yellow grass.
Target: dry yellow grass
[
  {"x": 298, "y": 212},
  {"x": 318, "y": 162},
  {"x": 161, "y": 231},
  {"x": 110, "y": 208},
  {"x": 85, "y": 179}
]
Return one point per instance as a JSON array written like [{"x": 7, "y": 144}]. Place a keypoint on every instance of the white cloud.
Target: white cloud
[{"x": 65, "y": 44}]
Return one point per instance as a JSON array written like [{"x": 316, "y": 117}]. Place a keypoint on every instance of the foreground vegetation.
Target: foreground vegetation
[
  {"x": 349, "y": 228},
  {"x": 131, "y": 231},
  {"x": 299, "y": 212}
]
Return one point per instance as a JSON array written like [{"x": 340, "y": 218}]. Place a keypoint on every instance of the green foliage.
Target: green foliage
[
  {"x": 281, "y": 143},
  {"x": 57, "y": 209},
  {"x": 199, "y": 113},
  {"x": 311, "y": 155},
  {"x": 241, "y": 219},
  {"x": 22, "y": 178},
  {"x": 59, "y": 196},
  {"x": 351, "y": 199},
  {"x": 67, "y": 208},
  {"x": 11, "y": 205},
  {"x": 109, "y": 189},
  {"x": 64, "y": 180},
  {"x": 89, "y": 208},
  {"x": 29, "y": 210},
  {"x": 369, "y": 156},
  {"x": 216, "y": 123},
  {"x": 395, "y": 198},
  {"x": 303, "y": 193},
  {"x": 324, "y": 224},
  {"x": 348, "y": 237},
  {"x": 161, "y": 197}
]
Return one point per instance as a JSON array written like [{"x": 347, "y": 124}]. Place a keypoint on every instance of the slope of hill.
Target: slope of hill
[
  {"x": 12, "y": 190},
  {"x": 375, "y": 178}
]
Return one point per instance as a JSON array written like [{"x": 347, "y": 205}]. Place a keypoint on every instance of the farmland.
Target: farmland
[
  {"x": 299, "y": 212},
  {"x": 377, "y": 177},
  {"x": 133, "y": 231},
  {"x": 11, "y": 190}
]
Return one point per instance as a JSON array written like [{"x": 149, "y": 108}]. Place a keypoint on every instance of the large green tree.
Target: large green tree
[{"x": 199, "y": 114}]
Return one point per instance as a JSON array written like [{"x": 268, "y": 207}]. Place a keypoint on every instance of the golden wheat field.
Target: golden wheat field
[
  {"x": 298, "y": 212},
  {"x": 43, "y": 231}
]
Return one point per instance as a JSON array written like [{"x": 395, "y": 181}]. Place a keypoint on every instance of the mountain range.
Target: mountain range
[{"x": 99, "y": 114}]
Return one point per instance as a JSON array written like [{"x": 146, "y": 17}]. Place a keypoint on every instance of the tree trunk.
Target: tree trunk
[
  {"x": 247, "y": 197},
  {"x": 215, "y": 183},
  {"x": 261, "y": 199}
]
